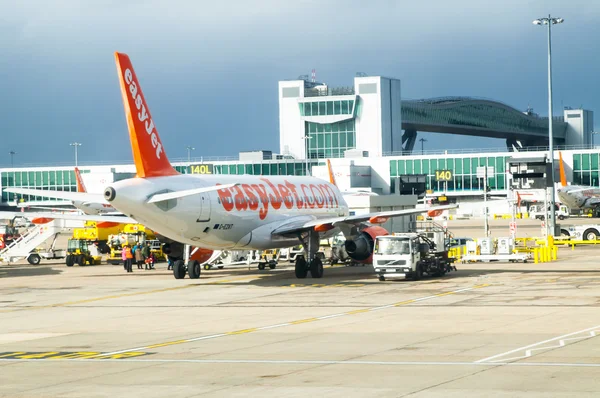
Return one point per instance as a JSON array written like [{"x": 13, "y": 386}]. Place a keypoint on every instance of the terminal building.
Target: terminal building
[{"x": 369, "y": 133}]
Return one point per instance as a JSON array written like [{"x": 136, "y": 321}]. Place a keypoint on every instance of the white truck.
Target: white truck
[
  {"x": 411, "y": 255},
  {"x": 581, "y": 232},
  {"x": 537, "y": 212}
]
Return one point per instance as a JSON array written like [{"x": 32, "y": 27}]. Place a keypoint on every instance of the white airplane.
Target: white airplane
[
  {"x": 93, "y": 204},
  {"x": 577, "y": 197},
  {"x": 231, "y": 212}
]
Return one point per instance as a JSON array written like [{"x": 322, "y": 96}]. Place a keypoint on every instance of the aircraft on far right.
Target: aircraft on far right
[{"x": 578, "y": 197}]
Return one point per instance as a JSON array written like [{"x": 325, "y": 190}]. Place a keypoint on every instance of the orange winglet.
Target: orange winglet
[
  {"x": 561, "y": 167},
  {"x": 323, "y": 227},
  {"x": 435, "y": 213},
  {"x": 41, "y": 220},
  {"x": 106, "y": 224},
  {"x": 378, "y": 220},
  {"x": 148, "y": 151},
  {"x": 331, "y": 175},
  {"x": 80, "y": 184}
]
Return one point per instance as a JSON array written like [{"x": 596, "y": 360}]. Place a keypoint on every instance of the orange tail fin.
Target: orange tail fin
[
  {"x": 331, "y": 175},
  {"x": 80, "y": 184},
  {"x": 561, "y": 165},
  {"x": 148, "y": 151}
]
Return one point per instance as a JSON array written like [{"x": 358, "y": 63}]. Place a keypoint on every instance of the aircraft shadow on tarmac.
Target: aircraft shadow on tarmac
[{"x": 22, "y": 270}]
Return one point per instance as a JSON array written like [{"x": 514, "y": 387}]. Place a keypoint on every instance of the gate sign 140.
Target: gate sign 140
[
  {"x": 443, "y": 175},
  {"x": 204, "y": 168}
]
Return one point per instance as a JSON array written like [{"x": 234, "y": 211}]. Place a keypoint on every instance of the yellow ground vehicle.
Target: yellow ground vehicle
[
  {"x": 131, "y": 234},
  {"x": 80, "y": 252},
  {"x": 98, "y": 233}
]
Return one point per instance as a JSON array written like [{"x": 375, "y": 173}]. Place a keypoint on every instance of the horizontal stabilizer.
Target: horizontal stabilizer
[
  {"x": 72, "y": 196},
  {"x": 161, "y": 197}
]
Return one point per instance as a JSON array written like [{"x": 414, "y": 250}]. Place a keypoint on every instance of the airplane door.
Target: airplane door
[{"x": 204, "y": 213}]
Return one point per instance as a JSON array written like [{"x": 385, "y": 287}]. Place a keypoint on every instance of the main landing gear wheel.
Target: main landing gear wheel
[
  {"x": 179, "y": 269},
  {"x": 300, "y": 268},
  {"x": 316, "y": 268},
  {"x": 194, "y": 269}
]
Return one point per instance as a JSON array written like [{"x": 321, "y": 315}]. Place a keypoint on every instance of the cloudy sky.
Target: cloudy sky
[{"x": 209, "y": 69}]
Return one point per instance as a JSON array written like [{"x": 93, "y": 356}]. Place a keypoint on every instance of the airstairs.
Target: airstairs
[{"x": 25, "y": 245}]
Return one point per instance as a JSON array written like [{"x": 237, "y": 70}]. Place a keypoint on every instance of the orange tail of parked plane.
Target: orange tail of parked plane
[
  {"x": 331, "y": 175},
  {"x": 80, "y": 184},
  {"x": 561, "y": 165},
  {"x": 148, "y": 151}
]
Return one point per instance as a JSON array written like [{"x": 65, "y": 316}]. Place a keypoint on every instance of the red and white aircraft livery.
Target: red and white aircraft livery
[{"x": 227, "y": 211}]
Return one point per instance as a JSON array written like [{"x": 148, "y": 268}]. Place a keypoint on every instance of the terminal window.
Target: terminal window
[
  {"x": 464, "y": 172},
  {"x": 330, "y": 140},
  {"x": 327, "y": 108}
]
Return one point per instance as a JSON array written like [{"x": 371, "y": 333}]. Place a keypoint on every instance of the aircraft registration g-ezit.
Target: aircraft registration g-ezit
[{"x": 242, "y": 212}]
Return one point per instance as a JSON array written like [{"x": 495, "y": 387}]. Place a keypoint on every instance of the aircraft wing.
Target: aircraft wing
[
  {"x": 375, "y": 218},
  {"x": 161, "y": 197},
  {"x": 8, "y": 215},
  {"x": 72, "y": 196}
]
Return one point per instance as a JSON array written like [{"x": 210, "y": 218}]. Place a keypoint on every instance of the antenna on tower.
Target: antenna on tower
[{"x": 314, "y": 75}]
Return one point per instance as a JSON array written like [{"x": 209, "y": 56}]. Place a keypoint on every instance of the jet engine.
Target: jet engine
[{"x": 361, "y": 247}]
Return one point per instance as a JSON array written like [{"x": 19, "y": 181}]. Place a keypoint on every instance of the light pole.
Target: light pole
[
  {"x": 12, "y": 160},
  {"x": 422, "y": 141},
  {"x": 593, "y": 133},
  {"x": 189, "y": 150},
  {"x": 306, "y": 138},
  {"x": 76, "y": 145},
  {"x": 550, "y": 21}
]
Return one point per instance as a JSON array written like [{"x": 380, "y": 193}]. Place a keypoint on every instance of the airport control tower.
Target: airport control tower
[{"x": 319, "y": 121}]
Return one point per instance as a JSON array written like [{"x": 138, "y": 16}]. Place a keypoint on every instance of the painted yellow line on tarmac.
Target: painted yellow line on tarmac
[
  {"x": 404, "y": 303},
  {"x": 117, "y": 296},
  {"x": 297, "y": 322},
  {"x": 243, "y": 331},
  {"x": 166, "y": 344},
  {"x": 54, "y": 355},
  {"x": 304, "y": 321}
]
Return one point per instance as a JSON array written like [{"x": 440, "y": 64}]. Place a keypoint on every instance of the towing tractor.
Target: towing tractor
[
  {"x": 81, "y": 252},
  {"x": 411, "y": 256}
]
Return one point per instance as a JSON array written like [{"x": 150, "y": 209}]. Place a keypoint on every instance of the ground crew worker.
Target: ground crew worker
[
  {"x": 128, "y": 258},
  {"x": 139, "y": 258},
  {"x": 146, "y": 255}
]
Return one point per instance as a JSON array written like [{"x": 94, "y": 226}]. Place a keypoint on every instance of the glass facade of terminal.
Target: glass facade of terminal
[
  {"x": 56, "y": 180},
  {"x": 265, "y": 169},
  {"x": 586, "y": 169},
  {"x": 464, "y": 172},
  {"x": 327, "y": 108},
  {"x": 330, "y": 140}
]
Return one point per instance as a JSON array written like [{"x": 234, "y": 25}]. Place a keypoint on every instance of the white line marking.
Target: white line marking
[
  {"x": 300, "y": 362},
  {"x": 214, "y": 336},
  {"x": 538, "y": 344}
]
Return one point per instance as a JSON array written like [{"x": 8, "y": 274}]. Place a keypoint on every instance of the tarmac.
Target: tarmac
[{"x": 488, "y": 329}]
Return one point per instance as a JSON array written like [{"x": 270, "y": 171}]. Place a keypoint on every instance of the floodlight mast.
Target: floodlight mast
[{"x": 550, "y": 21}]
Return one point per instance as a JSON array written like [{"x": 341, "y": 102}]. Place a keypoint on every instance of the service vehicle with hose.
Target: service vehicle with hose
[{"x": 411, "y": 255}]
